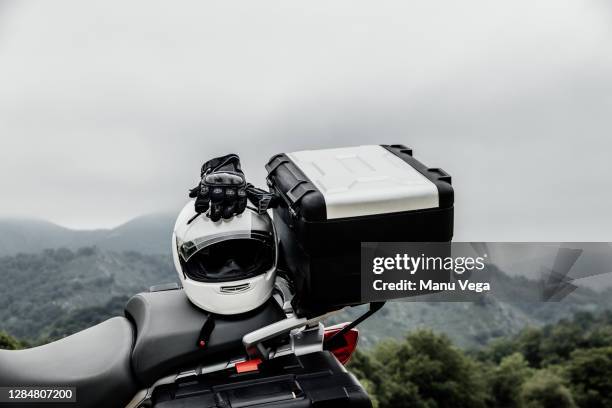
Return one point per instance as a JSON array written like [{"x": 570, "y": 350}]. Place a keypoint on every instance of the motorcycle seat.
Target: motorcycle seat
[
  {"x": 95, "y": 361},
  {"x": 168, "y": 326}
]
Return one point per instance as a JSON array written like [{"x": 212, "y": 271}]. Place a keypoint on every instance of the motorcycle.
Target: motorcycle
[
  {"x": 166, "y": 352},
  {"x": 154, "y": 357}
]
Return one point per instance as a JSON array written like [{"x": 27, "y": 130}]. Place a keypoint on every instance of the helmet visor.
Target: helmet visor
[{"x": 230, "y": 259}]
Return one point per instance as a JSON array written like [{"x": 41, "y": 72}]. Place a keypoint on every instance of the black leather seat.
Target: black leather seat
[
  {"x": 168, "y": 326},
  {"x": 96, "y": 361},
  {"x": 109, "y": 363}
]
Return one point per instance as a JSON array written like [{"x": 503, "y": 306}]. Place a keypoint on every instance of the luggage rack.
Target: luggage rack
[
  {"x": 254, "y": 342},
  {"x": 308, "y": 338}
]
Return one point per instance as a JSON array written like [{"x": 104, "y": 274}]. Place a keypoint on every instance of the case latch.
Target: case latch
[{"x": 298, "y": 191}]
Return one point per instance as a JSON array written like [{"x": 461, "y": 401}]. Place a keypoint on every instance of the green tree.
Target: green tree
[
  {"x": 546, "y": 390},
  {"x": 529, "y": 344},
  {"x": 8, "y": 342},
  {"x": 427, "y": 371},
  {"x": 507, "y": 379},
  {"x": 561, "y": 340},
  {"x": 496, "y": 350},
  {"x": 369, "y": 373},
  {"x": 600, "y": 337},
  {"x": 590, "y": 375}
]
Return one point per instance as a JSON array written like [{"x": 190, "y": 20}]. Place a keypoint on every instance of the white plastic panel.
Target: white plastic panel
[{"x": 365, "y": 180}]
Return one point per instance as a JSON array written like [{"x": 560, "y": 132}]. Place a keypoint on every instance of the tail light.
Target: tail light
[{"x": 341, "y": 343}]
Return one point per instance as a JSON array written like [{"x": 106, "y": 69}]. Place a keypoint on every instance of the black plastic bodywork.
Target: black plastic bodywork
[
  {"x": 311, "y": 380},
  {"x": 167, "y": 330},
  {"x": 322, "y": 255}
]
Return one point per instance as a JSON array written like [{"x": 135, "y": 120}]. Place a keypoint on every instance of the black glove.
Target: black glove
[{"x": 222, "y": 188}]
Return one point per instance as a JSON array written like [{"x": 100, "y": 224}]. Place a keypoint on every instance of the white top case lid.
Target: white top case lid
[{"x": 365, "y": 180}]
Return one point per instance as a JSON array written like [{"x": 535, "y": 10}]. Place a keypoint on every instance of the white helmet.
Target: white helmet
[{"x": 226, "y": 266}]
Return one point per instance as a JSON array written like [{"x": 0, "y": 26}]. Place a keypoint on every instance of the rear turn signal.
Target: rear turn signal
[{"x": 341, "y": 345}]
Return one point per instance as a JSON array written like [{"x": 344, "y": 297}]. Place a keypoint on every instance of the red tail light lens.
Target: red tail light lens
[
  {"x": 343, "y": 346},
  {"x": 248, "y": 366}
]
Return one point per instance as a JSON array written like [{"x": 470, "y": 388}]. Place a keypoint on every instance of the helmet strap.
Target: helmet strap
[{"x": 206, "y": 331}]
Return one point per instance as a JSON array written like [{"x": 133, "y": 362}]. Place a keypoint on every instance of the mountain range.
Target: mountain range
[
  {"x": 149, "y": 234},
  {"x": 56, "y": 281}
]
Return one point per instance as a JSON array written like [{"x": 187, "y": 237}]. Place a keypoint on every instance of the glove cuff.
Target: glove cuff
[{"x": 229, "y": 162}]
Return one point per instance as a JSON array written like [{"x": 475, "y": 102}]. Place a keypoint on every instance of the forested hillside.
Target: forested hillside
[
  {"x": 471, "y": 324},
  {"x": 562, "y": 365},
  {"x": 88, "y": 275},
  {"x": 60, "y": 291}
]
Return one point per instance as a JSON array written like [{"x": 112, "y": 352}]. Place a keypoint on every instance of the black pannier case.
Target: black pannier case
[
  {"x": 313, "y": 380},
  {"x": 334, "y": 199}
]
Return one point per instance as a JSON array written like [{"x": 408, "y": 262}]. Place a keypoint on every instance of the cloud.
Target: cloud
[{"x": 107, "y": 110}]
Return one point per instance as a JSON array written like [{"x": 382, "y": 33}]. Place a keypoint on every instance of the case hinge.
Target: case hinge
[{"x": 293, "y": 195}]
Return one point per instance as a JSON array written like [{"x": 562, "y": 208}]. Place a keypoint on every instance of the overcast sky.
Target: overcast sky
[{"x": 107, "y": 110}]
